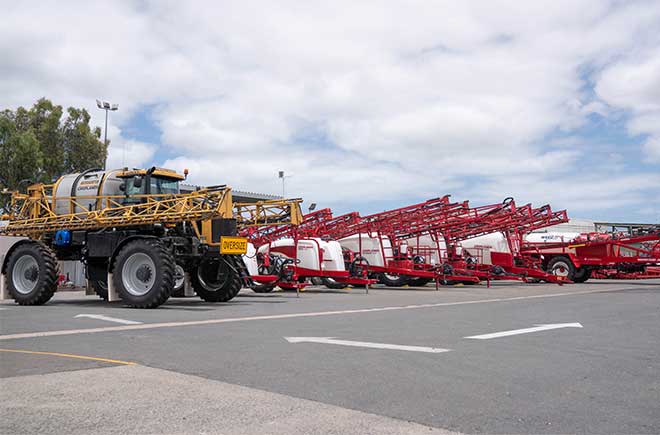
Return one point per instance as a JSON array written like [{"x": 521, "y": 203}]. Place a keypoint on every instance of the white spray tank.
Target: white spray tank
[
  {"x": 94, "y": 182},
  {"x": 313, "y": 253},
  {"x": 370, "y": 247},
  {"x": 250, "y": 260}
]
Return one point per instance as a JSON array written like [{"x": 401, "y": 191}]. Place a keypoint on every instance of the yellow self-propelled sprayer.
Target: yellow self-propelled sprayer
[{"x": 136, "y": 233}]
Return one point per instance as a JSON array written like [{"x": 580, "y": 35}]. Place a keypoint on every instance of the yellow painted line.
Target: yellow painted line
[{"x": 68, "y": 355}]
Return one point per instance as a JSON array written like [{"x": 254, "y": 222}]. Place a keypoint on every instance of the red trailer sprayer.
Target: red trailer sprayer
[
  {"x": 446, "y": 232},
  {"x": 601, "y": 255},
  {"x": 288, "y": 256},
  {"x": 411, "y": 245},
  {"x": 394, "y": 260}
]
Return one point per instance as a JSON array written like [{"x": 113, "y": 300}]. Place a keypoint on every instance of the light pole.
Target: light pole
[
  {"x": 283, "y": 177},
  {"x": 104, "y": 105}
]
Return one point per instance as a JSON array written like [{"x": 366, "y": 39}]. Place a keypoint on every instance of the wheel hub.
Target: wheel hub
[
  {"x": 31, "y": 274},
  {"x": 560, "y": 270},
  {"x": 143, "y": 273}
]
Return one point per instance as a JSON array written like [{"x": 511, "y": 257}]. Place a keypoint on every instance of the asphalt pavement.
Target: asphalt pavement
[{"x": 513, "y": 358}]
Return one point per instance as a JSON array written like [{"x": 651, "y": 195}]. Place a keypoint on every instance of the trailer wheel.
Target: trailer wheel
[
  {"x": 393, "y": 280},
  {"x": 331, "y": 283},
  {"x": 263, "y": 288},
  {"x": 562, "y": 266},
  {"x": 419, "y": 282},
  {"x": 216, "y": 281},
  {"x": 32, "y": 274},
  {"x": 144, "y": 273},
  {"x": 582, "y": 274},
  {"x": 287, "y": 286}
]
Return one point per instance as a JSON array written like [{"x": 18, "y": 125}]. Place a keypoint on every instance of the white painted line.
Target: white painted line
[
  {"x": 108, "y": 319},
  {"x": 537, "y": 328},
  {"x": 332, "y": 340},
  {"x": 282, "y": 316}
]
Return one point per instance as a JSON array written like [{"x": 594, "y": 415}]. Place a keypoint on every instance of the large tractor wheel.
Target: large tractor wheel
[
  {"x": 582, "y": 274},
  {"x": 393, "y": 280},
  {"x": 332, "y": 283},
  {"x": 32, "y": 274},
  {"x": 144, "y": 273},
  {"x": 215, "y": 280},
  {"x": 419, "y": 282},
  {"x": 562, "y": 266}
]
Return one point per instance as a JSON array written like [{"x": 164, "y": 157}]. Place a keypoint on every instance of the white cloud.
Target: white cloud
[
  {"x": 362, "y": 101},
  {"x": 130, "y": 153},
  {"x": 652, "y": 149},
  {"x": 633, "y": 83}
]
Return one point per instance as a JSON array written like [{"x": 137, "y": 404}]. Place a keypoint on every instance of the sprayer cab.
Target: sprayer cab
[{"x": 153, "y": 181}]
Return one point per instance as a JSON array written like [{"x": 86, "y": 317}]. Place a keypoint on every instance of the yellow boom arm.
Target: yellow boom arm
[{"x": 34, "y": 214}]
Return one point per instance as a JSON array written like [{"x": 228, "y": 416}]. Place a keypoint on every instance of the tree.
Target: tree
[
  {"x": 20, "y": 155},
  {"x": 44, "y": 121},
  {"x": 83, "y": 148},
  {"x": 39, "y": 145}
]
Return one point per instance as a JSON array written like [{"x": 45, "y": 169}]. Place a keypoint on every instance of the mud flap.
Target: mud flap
[{"x": 113, "y": 295}]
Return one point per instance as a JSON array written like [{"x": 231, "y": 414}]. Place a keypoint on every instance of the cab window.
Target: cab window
[
  {"x": 132, "y": 190},
  {"x": 164, "y": 186}
]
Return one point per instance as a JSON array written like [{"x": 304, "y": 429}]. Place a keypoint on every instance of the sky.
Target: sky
[{"x": 365, "y": 105}]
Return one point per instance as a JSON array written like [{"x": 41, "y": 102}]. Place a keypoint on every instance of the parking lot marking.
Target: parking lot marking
[
  {"x": 68, "y": 355},
  {"x": 284, "y": 316},
  {"x": 108, "y": 319},
  {"x": 537, "y": 328},
  {"x": 332, "y": 340}
]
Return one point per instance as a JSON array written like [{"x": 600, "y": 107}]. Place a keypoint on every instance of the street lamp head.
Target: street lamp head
[
  {"x": 115, "y": 107},
  {"x": 312, "y": 206},
  {"x": 106, "y": 105},
  {"x": 281, "y": 174},
  {"x": 99, "y": 104}
]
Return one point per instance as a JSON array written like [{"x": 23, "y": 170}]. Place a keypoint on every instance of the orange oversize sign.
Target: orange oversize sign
[{"x": 233, "y": 245}]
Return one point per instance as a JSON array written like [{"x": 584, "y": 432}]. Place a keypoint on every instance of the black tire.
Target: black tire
[
  {"x": 561, "y": 266},
  {"x": 101, "y": 289},
  {"x": 263, "y": 288},
  {"x": 32, "y": 274},
  {"x": 316, "y": 280},
  {"x": 419, "y": 282},
  {"x": 214, "y": 280},
  {"x": 332, "y": 284},
  {"x": 144, "y": 273},
  {"x": 179, "y": 290},
  {"x": 582, "y": 274},
  {"x": 393, "y": 280}
]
